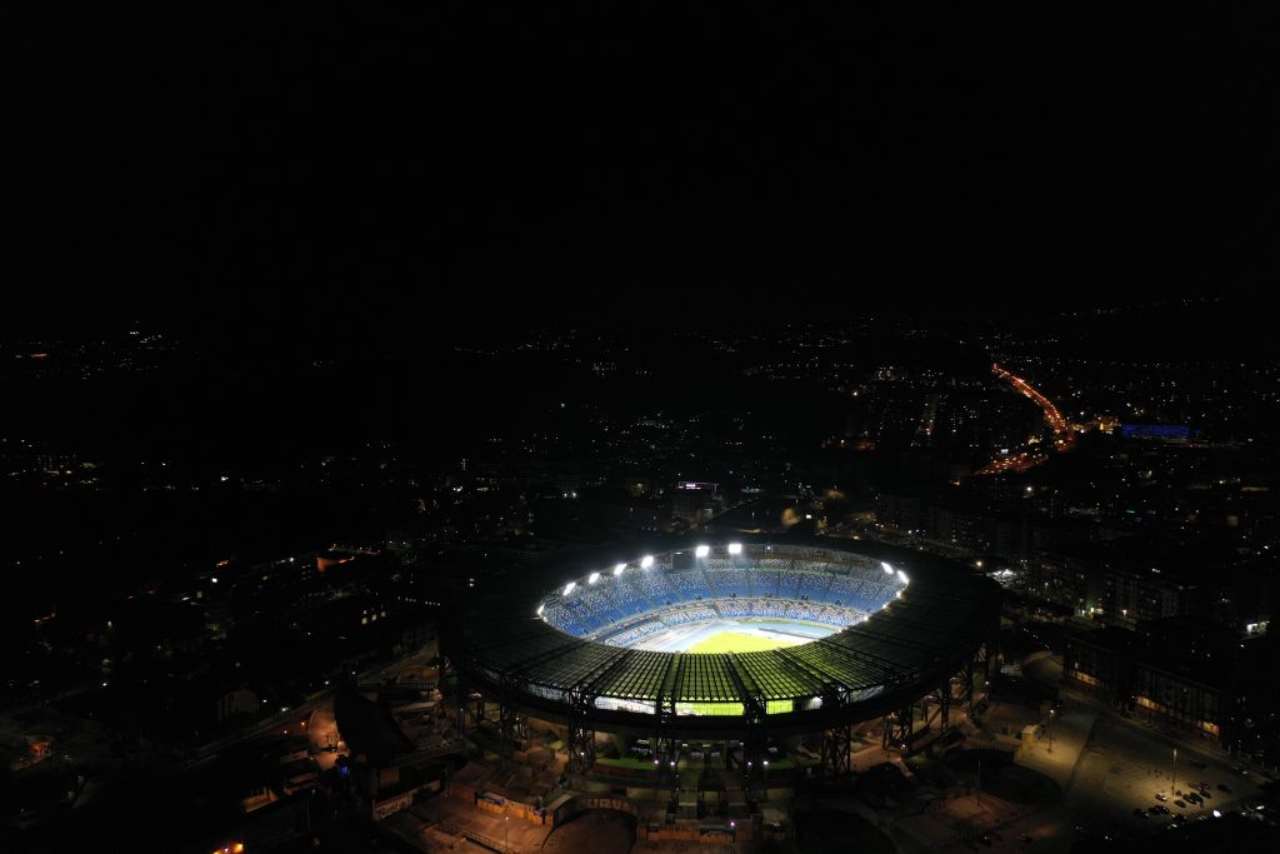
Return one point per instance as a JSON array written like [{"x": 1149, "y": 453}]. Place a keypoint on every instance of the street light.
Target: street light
[{"x": 1173, "y": 777}]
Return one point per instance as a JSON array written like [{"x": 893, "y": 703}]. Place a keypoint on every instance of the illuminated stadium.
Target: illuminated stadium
[{"x": 736, "y": 642}]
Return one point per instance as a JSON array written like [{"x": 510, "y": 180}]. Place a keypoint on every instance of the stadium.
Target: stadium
[{"x": 734, "y": 643}]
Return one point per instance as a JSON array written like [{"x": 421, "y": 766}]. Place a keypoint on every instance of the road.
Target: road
[{"x": 1064, "y": 435}]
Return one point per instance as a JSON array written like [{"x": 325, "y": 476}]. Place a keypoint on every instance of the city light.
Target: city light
[
  {"x": 646, "y": 561},
  {"x": 888, "y": 569},
  {"x": 568, "y": 588},
  {"x": 735, "y": 548},
  {"x": 702, "y": 551},
  {"x": 593, "y": 578},
  {"x": 617, "y": 570}
]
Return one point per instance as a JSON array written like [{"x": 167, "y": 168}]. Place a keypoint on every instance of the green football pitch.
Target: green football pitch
[{"x": 740, "y": 642}]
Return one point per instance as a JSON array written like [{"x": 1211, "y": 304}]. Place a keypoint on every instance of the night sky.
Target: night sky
[{"x": 471, "y": 168}]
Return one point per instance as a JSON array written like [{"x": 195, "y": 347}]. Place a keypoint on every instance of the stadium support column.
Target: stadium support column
[
  {"x": 453, "y": 664},
  {"x": 837, "y": 741},
  {"x": 510, "y": 723},
  {"x": 837, "y": 745},
  {"x": 755, "y": 744},
  {"x": 898, "y": 727},
  {"x": 461, "y": 691},
  {"x": 582, "y": 734},
  {"x": 944, "y": 704},
  {"x": 755, "y": 741},
  {"x": 664, "y": 742}
]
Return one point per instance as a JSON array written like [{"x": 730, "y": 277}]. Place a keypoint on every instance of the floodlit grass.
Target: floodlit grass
[
  {"x": 772, "y": 707},
  {"x": 740, "y": 642}
]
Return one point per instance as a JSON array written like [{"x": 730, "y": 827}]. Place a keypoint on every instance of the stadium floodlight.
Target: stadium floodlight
[
  {"x": 735, "y": 548},
  {"x": 702, "y": 551},
  {"x": 888, "y": 569},
  {"x": 646, "y": 561},
  {"x": 568, "y": 588},
  {"x": 617, "y": 570},
  {"x": 902, "y": 576},
  {"x": 593, "y": 578}
]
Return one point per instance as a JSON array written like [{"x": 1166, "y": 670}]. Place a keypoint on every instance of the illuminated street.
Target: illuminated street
[{"x": 1063, "y": 435}]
